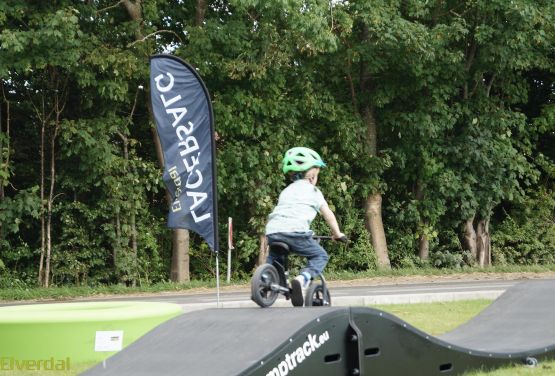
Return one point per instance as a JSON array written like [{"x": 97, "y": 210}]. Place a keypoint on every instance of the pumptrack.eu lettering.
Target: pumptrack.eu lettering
[{"x": 299, "y": 355}]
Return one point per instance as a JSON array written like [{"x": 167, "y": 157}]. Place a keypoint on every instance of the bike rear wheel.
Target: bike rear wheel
[
  {"x": 317, "y": 296},
  {"x": 261, "y": 285}
]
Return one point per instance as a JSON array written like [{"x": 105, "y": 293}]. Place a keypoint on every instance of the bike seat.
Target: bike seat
[{"x": 279, "y": 247}]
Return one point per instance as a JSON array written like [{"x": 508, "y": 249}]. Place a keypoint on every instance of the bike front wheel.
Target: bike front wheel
[
  {"x": 317, "y": 296},
  {"x": 264, "y": 277}
]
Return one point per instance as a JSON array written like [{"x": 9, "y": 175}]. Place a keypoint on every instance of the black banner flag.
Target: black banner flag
[{"x": 185, "y": 123}]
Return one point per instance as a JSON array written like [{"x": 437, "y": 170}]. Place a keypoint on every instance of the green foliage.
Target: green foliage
[
  {"x": 461, "y": 93},
  {"x": 528, "y": 238},
  {"x": 12, "y": 280},
  {"x": 25, "y": 205},
  {"x": 355, "y": 256},
  {"x": 447, "y": 259}
]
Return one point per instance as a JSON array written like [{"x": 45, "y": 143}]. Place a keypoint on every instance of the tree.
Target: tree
[
  {"x": 251, "y": 55},
  {"x": 44, "y": 89},
  {"x": 497, "y": 51},
  {"x": 435, "y": 119},
  {"x": 145, "y": 45}
]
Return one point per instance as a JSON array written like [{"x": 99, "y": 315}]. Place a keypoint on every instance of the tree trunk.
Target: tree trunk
[
  {"x": 50, "y": 201},
  {"x": 371, "y": 131},
  {"x": 263, "y": 251},
  {"x": 180, "y": 237},
  {"x": 483, "y": 243},
  {"x": 41, "y": 276},
  {"x": 46, "y": 277},
  {"x": 423, "y": 241},
  {"x": 134, "y": 246},
  {"x": 373, "y": 209},
  {"x": 117, "y": 246},
  {"x": 469, "y": 238},
  {"x": 424, "y": 247},
  {"x": 374, "y": 225},
  {"x": 135, "y": 10},
  {"x": 200, "y": 11},
  {"x": 180, "y": 257},
  {"x": 180, "y": 248},
  {"x": 4, "y": 164},
  {"x": 132, "y": 216},
  {"x": 4, "y": 161},
  {"x": 180, "y": 268}
]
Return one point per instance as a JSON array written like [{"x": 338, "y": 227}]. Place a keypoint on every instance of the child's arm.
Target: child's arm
[{"x": 329, "y": 217}]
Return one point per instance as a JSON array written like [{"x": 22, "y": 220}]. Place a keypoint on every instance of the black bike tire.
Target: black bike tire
[
  {"x": 315, "y": 296},
  {"x": 261, "y": 294}
]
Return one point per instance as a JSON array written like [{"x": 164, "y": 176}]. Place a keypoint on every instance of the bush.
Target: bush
[
  {"x": 10, "y": 280},
  {"x": 449, "y": 253},
  {"x": 526, "y": 243},
  {"x": 447, "y": 259},
  {"x": 402, "y": 249},
  {"x": 528, "y": 239}
]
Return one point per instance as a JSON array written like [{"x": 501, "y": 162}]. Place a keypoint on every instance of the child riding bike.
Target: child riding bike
[{"x": 297, "y": 207}]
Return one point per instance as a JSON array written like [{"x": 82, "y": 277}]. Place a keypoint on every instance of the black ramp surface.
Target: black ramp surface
[
  {"x": 521, "y": 319},
  {"x": 510, "y": 331},
  {"x": 213, "y": 342},
  {"x": 342, "y": 341}
]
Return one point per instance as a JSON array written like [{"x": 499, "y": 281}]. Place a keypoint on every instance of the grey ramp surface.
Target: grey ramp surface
[
  {"x": 520, "y": 320},
  {"x": 212, "y": 342}
]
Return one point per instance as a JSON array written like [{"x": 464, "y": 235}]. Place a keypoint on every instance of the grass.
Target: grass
[
  {"x": 436, "y": 318},
  {"x": 441, "y": 317},
  {"x": 68, "y": 292}
]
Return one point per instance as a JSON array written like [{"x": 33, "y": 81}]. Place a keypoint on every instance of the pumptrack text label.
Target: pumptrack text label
[{"x": 296, "y": 357}]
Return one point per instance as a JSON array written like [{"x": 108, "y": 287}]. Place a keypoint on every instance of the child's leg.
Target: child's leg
[
  {"x": 304, "y": 245},
  {"x": 317, "y": 257}
]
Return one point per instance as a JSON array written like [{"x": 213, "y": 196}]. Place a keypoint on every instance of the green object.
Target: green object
[
  {"x": 300, "y": 159},
  {"x": 55, "y": 336}
]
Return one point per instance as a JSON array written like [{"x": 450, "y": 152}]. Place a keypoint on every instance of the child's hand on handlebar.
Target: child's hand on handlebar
[{"x": 340, "y": 237}]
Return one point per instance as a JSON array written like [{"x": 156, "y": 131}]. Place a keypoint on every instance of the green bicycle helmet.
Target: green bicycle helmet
[{"x": 301, "y": 159}]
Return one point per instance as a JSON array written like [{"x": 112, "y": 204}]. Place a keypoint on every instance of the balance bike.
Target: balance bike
[{"x": 270, "y": 280}]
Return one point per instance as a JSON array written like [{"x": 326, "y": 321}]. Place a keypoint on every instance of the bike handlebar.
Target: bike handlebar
[{"x": 342, "y": 239}]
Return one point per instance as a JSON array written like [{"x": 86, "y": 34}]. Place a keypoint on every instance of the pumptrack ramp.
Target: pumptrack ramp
[{"x": 518, "y": 327}]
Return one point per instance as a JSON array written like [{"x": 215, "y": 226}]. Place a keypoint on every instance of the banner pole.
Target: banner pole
[
  {"x": 229, "y": 246},
  {"x": 217, "y": 280}
]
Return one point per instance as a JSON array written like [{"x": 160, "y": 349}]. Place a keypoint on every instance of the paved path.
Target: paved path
[
  {"x": 362, "y": 295},
  {"x": 342, "y": 294},
  {"x": 391, "y": 290}
]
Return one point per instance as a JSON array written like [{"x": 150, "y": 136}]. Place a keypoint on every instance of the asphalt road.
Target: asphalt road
[
  {"x": 467, "y": 288},
  {"x": 355, "y": 294},
  {"x": 343, "y": 294}
]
